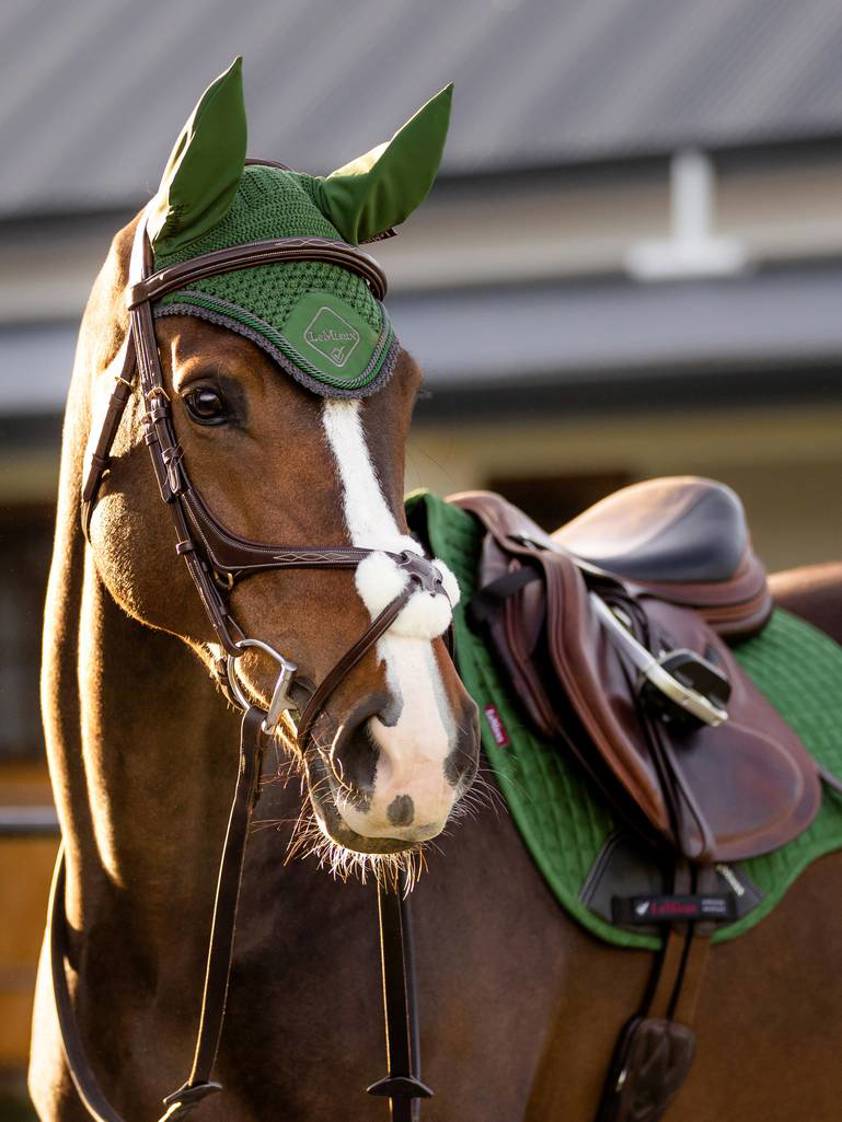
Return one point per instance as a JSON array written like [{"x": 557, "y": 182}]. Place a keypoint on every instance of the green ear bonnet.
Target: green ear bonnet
[{"x": 320, "y": 322}]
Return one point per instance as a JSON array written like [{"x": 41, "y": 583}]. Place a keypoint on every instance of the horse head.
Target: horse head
[{"x": 288, "y": 401}]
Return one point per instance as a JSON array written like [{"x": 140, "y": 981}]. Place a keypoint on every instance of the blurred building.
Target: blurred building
[{"x": 632, "y": 264}]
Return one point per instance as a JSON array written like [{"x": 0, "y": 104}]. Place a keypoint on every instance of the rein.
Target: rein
[{"x": 217, "y": 559}]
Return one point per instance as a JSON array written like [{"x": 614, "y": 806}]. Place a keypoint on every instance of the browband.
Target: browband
[{"x": 247, "y": 256}]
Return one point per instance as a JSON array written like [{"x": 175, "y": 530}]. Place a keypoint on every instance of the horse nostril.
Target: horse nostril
[
  {"x": 401, "y": 810},
  {"x": 460, "y": 768},
  {"x": 462, "y": 764},
  {"x": 354, "y": 755}
]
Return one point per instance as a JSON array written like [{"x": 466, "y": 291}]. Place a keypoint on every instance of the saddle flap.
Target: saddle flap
[
  {"x": 720, "y": 793},
  {"x": 754, "y": 780}
]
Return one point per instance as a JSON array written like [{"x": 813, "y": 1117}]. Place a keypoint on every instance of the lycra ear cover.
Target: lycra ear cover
[
  {"x": 382, "y": 188},
  {"x": 204, "y": 169}
]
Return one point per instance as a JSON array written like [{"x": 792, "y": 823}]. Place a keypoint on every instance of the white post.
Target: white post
[{"x": 693, "y": 250}]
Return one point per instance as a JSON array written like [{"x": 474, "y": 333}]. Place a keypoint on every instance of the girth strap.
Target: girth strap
[{"x": 656, "y": 1047}]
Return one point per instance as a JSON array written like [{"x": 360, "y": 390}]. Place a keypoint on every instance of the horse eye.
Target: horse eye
[{"x": 206, "y": 406}]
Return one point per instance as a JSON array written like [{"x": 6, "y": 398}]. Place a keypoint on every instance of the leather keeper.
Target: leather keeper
[{"x": 650, "y": 1066}]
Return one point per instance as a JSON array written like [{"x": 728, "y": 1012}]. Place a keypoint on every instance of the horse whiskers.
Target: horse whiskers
[
  {"x": 391, "y": 869},
  {"x": 480, "y": 795},
  {"x": 265, "y": 823},
  {"x": 285, "y": 771},
  {"x": 308, "y": 840},
  {"x": 332, "y": 762}
]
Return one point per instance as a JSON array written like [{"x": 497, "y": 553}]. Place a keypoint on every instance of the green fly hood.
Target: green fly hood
[{"x": 320, "y": 322}]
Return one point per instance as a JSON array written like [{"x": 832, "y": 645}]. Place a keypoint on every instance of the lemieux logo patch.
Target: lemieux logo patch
[
  {"x": 332, "y": 336},
  {"x": 498, "y": 729}
]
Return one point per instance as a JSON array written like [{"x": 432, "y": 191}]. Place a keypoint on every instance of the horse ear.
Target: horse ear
[
  {"x": 382, "y": 188},
  {"x": 204, "y": 168}
]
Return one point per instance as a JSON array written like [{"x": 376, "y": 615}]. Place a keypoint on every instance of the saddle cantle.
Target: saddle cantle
[
  {"x": 672, "y": 560},
  {"x": 681, "y": 539}
]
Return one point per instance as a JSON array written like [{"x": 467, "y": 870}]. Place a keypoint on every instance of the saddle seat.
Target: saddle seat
[
  {"x": 673, "y": 561},
  {"x": 683, "y": 539}
]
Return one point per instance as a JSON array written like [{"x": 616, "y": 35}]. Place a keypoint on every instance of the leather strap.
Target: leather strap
[
  {"x": 348, "y": 661},
  {"x": 231, "y": 554},
  {"x": 272, "y": 251},
  {"x": 81, "y": 1072},
  {"x": 198, "y": 1083},
  {"x": 123, "y": 369},
  {"x": 681, "y": 967},
  {"x": 656, "y": 1047},
  {"x": 402, "y": 1083}
]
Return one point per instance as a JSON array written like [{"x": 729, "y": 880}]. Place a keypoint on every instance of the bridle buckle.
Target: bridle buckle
[
  {"x": 282, "y": 700},
  {"x": 422, "y": 571}
]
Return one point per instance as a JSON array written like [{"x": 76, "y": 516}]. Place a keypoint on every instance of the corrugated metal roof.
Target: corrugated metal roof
[{"x": 93, "y": 92}]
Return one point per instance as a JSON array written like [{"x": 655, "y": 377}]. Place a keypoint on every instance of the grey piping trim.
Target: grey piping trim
[
  {"x": 315, "y": 385},
  {"x": 220, "y": 305}
]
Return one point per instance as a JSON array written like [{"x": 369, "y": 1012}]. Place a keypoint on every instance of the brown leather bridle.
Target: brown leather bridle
[{"x": 217, "y": 559}]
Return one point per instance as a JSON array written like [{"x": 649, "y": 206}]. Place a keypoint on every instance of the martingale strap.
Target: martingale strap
[
  {"x": 216, "y": 558},
  {"x": 402, "y": 1084},
  {"x": 220, "y": 949},
  {"x": 198, "y": 1083}
]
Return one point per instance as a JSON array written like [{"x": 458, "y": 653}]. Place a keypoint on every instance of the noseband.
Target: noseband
[{"x": 217, "y": 559}]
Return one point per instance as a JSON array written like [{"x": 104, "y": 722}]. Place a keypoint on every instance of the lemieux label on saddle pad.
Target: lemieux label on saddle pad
[
  {"x": 330, "y": 335},
  {"x": 498, "y": 729},
  {"x": 672, "y": 909}
]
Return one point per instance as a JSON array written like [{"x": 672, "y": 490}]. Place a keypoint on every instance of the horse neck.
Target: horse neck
[{"x": 142, "y": 754}]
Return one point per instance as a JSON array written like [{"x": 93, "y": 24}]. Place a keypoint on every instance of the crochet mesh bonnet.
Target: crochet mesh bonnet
[{"x": 320, "y": 322}]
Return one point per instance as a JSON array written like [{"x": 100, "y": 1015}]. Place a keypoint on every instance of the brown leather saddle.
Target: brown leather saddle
[{"x": 611, "y": 631}]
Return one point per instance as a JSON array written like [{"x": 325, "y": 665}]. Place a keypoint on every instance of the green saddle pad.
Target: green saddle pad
[{"x": 564, "y": 825}]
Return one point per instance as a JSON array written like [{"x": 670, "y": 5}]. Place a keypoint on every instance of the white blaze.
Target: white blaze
[{"x": 414, "y": 749}]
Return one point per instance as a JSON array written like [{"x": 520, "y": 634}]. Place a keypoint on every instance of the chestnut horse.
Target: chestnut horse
[{"x": 520, "y": 1008}]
